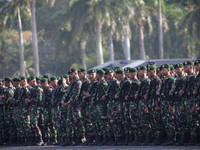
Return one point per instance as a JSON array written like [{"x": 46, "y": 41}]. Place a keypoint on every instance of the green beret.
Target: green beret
[
  {"x": 65, "y": 76},
  {"x": 172, "y": 65},
  {"x": 197, "y": 62},
  {"x": 1, "y": 80},
  {"x": 82, "y": 70},
  {"x": 22, "y": 78},
  {"x": 127, "y": 69},
  {"x": 32, "y": 77},
  {"x": 91, "y": 71},
  {"x": 38, "y": 79},
  {"x": 119, "y": 71},
  {"x": 172, "y": 68},
  {"x": 179, "y": 65},
  {"x": 141, "y": 68},
  {"x": 46, "y": 76},
  {"x": 117, "y": 67},
  {"x": 72, "y": 70},
  {"x": 53, "y": 78},
  {"x": 109, "y": 71},
  {"x": 60, "y": 82},
  {"x": 44, "y": 80},
  {"x": 58, "y": 77},
  {"x": 100, "y": 71},
  {"x": 188, "y": 63},
  {"x": 105, "y": 69},
  {"x": 132, "y": 70},
  {"x": 165, "y": 66},
  {"x": 151, "y": 67},
  {"x": 8, "y": 79},
  {"x": 16, "y": 79}
]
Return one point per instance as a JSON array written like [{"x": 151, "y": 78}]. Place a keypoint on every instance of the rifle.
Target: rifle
[
  {"x": 186, "y": 84},
  {"x": 138, "y": 94},
  {"x": 81, "y": 91},
  {"x": 68, "y": 93},
  {"x": 107, "y": 93},
  {"x": 95, "y": 96},
  {"x": 86, "y": 99}
]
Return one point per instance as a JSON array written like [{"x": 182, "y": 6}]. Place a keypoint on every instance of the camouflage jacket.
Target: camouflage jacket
[
  {"x": 135, "y": 84},
  {"x": 36, "y": 96},
  {"x": 124, "y": 89},
  {"x": 113, "y": 89},
  {"x": 9, "y": 92},
  {"x": 46, "y": 97},
  {"x": 190, "y": 87}
]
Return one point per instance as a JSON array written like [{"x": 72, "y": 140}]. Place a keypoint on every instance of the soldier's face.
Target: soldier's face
[
  {"x": 178, "y": 70},
  {"x": 149, "y": 73},
  {"x": 198, "y": 67},
  {"x": 110, "y": 76},
  {"x": 92, "y": 76},
  {"x": 127, "y": 74},
  {"x": 1, "y": 84},
  {"x": 7, "y": 83},
  {"x": 44, "y": 85},
  {"x": 81, "y": 75},
  {"x": 186, "y": 68},
  {"x": 33, "y": 82},
  {"x": 141, "y": 73},
  {"x": 23, "y": 82},
  {"x": 15, "y": 83},
  {"x": 54, "y": 83},
  {"x": 72, "y": 75}
]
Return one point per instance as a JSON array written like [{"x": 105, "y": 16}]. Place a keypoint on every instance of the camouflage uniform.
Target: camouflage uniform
[{"x": 2, "y": 124}]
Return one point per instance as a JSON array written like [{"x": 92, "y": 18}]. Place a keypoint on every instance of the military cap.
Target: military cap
[
  {"x": 117, "y": 67},
  {"x": 60, "y": 82},
  {"x": 8, "y": 79},
  {"x": 100, "y": 71},
  {"x": 165, "y": 66},
  {"x": 91, "y": 71},
  {"x": 58, "y": 77},
  {"x": 32, "y": 77},
  {"x": 1, "y": 80},
  {"x": 197, "y": 62},
  {"x": 119, "y": 71},
  {"x": 141, "y": 68},
  {"x": 22, "y": 78},
  {"x": 179, "y": 65},
  {"x": 172, "y": 68},
  {"x": 46, "y": 76},
  {"x": 188, "y": 63},
  {"x": 172, "y": 65},
  {"x": 72, "y": 70},
  {"x": 132, "y": 70},
  {"x": 105, "y": 69},
  {"x": 53, "y": 78},
  {"x": 127, "y": 69},
  {"x": 44, "y": 80},
  {"x": 38, "y": 79},
  {"x": 16, "y": 79},
  {"x": 65, "y": 76},
  {"x": 109, "y": 71},
  {"x": 151, "y": 67},
  {"x": 82, "y": 70}
]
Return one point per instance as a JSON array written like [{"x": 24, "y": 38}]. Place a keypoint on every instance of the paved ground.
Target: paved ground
[{"x": 100, "y": 148}]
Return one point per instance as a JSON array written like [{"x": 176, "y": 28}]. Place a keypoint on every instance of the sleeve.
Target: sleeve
[{"x": 76, "y": 90}]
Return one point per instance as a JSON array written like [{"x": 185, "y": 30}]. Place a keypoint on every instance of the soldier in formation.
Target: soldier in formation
[{"x": 109, "y": 106}]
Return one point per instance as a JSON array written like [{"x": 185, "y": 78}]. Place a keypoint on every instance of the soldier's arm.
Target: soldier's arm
[
  {"x": 38, "y": 98},
  {"x": 76, "y": 90}
]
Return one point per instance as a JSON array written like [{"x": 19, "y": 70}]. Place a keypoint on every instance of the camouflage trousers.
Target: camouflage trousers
[
  {"x": 134, "y": 119},
  {"x": 167, "y": 118},
  {"x": 63, "y": 128},
  {"x": 2, "y": 124},
  {"x": 73, "y": 123},
  {"x": 17, "y": 119},
  {"x": 49, "y": 127},
  {"x": 125, "y": 117},
  {"x": 35, "y": 115}
]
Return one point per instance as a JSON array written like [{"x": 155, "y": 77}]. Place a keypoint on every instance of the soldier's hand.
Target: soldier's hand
[
  {"x": 92, "y": 101},
  {"x": 27, "y": 100},
  {"x": 104, "y": 97},
  {"x": 181, "y": 92},
  {"x": 170, "y": 92},
  {"x": 87, "y": 94},
  {"x": 10, "y": 98},
  {"x": 83, "y": 100},
  {"x": 145, "y": 97},
  {"x": 87, "y": 113},
  {"x": 136, "y": 96},
  {"x": 126, "y": 98},
  {"x": 76, "y": 97},
  {"x": 157, "y": 108},
  {"x": 182, "y": 109},
  {"x": 170, "y": 109},
  {"x": 195, "y": 92},
  {"x": 146, "y": 110},
  {"x": 157, "y": 93},
  {"x": 116, "y": 96},
  {"x": 65, "y": 105},
  {"x": 194, "y": 108}
]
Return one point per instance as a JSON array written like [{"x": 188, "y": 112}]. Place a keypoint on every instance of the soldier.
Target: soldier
[
  {"x": 35, "y": 101},
  {"x": 113, "y": 129},
  {"x": 74, "y": 114},
  {"x": 8, "y": 115},
  {"x": 167, "y": 104},
  {"x": 100, "y": 108},
  {"x": 90, "y": 117},
  {"x": 179, "y": 102},
  {"x": 124, "y": 105},
  {"x": 50, "y": 132},
  {"x": 187, "y": 93},
  {"x": 2, "y": 137},
  {"x": 25, "y": 127},
  {"x": 135, "y": 83},
  {"x": 126, "y": 72}
]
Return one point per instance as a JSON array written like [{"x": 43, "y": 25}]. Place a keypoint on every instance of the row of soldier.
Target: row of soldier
[{"x": 132, "y": 106}]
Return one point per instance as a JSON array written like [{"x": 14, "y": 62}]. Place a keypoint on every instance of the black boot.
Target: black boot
[
  {"x": 97, "y": 141},
  {"x": 120, "y": 141},
  {"x": 140, "y": 140},
  {"x": 88, "y": 140},
  {"x": 157, "y": 141},
  {"x": 126, "y": 141},
  {"x": 53, "y": 141},
  {"x": 133, "y": 142},
  {"x": 77, "y": 141},
  {"x": 147, "y": 141},
  {"x": 111, "y": 140},
  {"x": 170, "y": 141},
  {"x": 67, "y": 142},
  {"x": 105, "y": 140},
  {"x": 1, "y": 142},
  {"x": 39, "y": 141},
  {"x": 192, "y": 142},
  {"x": 9, "y": 142},
  {"x": 131, "y": 139},
  {"x": 182, "y": 141},
  {"x": 31, "y": 141}
]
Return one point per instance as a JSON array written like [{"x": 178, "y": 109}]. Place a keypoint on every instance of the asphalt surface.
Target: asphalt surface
[{"x": 100, "y": 147}]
